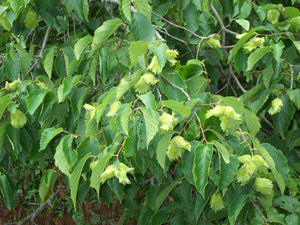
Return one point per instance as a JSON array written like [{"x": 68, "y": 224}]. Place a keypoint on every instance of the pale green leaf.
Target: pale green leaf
[
  {"x": 24, "y": 57},
  {"x": 160, "y": 52},
  {"x": 93, "y": 69},
  {"x": 141, "y": 28},
  {"x": 243, "y": 23},
  {"x": 105, "y": 31},
  {"x": 66, "y": 87},
  {"x": 256, "y": 56},
  {"x": 97, "y": 170},
  {"x": 203, "y": 155},
  {"x": 75, "y": 176},
  {"x": 81, "y": 44},
  {"x": 137, "y": 49},
  {"x": 222, "y": 150},
  {"x": 151, "y": 124},
  {"x": 294, "y": 96},
  {"x": 178, "y": 107},
  {"x": 277, "y": 49},
  {"x": 148, "y": 100},
  {"x": 48, "y": 58},
  {"x": 297, "y": 45},
  {"x": 48, "y": 135},
  {"x": 252, "y": 121},
  {"x": 125, "y": 7},
  {"x": 143, "y": 7},
  {"x": 228, "y": 172},
  {"x": 161, "y": 150},
  {"x": 240, "y": 44},
  {"x": 4, "y": 102},
  {"x": 271, "y": 163},
  {"x": 35, "y": 99},
  {"x": 103, "y": 105}
]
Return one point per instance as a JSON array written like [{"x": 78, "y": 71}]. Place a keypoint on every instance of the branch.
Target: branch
[
  {"x": 260, "y": 213},
  {"x": 41, "y": 52},
  {"x": 40, "y": 209},
  {"x": 175, "y": 86}
]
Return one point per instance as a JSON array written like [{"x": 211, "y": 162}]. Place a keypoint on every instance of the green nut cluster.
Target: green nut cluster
[
  {"x": 145, "y": 82},
  {"x": 120, "y": 173},
  {"x": 18, "y": 119},
  {"x": 216, "y": 202},
  {"x": 176, "y": 148},
  {"x": 167, "y": 121}
]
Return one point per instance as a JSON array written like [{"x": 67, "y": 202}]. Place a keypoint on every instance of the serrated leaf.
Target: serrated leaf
[
  {"x": 277, "y": 50},
  {"x": 228, "y": 172},
  {"x": 252, "y": 122},
  {"x": 81, "y": 44},
  {"x": 125, "y": 8},
  {"x": 222, "y": 150},
  {"x": 164, "y": 193},
  {"x": 236, "y": 206},
  {"x": 243, "y": 23},
  {"x": 48, "y": 135},
  {"x": 79, "y": 6},
  {"x": 160, "y": 52},
  {"x": 240, "y": 44},
  {"x": 61, "y": 155},
  {"x": 7, "y": 192},
  {"x": 256, "y": 56},
  {"x": 297, "y": 45},
  {"x": 137, "y": 49},
  {"x": 35, "y": 99},
  {"x": 161, "y": 150},
  {"x": 178, "y": 107},
  {"x": 142, "y": 6},
  {"x": 24, "y": 57},
  {"x": 4, "y": 102},
  {"x": 75, "y": 176},
  {"x": 267, "y": 75},
  {"x": 141, "y": 28},
  {"x": 283, "y": 118},
  {"x": 148, "y": 100},
  {"x": 281, "y": 163},
  {"x": 294, "y": 96},
  {"x": 66, "y": 87},
  {"x": 151, "y": 124},
  {"x": 103, "y": 105},
  {"x": 107, "y": 29},
  {"x": 93, "y": 69},
  {"x": 48, "y": 59},
  {"x": 271, "y": 163},
  {"x": 202, "y": 159},
  {"x": 97, "y": 170}
]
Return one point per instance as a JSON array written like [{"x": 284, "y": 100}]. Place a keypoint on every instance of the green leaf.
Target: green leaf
[
  {"x": 125, "y": 8},
  {"x": 148, "y": 100},
  {"x": 256, "y": 56},
  {"x": 297, "y": 45},
  {"x": 4, "y": 102},
  {"x": 142, "y": 6},
  {"x": 81, "y": 44},
  {"x": 160, "y": 52},
  {"x": 78, "y": 6},
  {"x": 131, "y": 143},
  {"x": 15, "y": 5},
  {"x": 295, "y": 24},
  {"x": 289, "y": 203},
  {"x": 93, "y": 69},
  {"x": 240, "y": 44},
  {"x": 236, "y": 206},
  {"x": 228, "y": 172},
  {"x": 98, "y": 169},
  {"x": 7, "y": 192},
  {"x": 103, "y": 105},
  {"x": 107, "y": 29},
  {"x": 281, "y": 163},
  {"x": 48, "y": 59},
  {"x": 178, "y": 107},
  {"x": 137, "y": 49},
  {"x": 75, "y": 176},
  {"x": 277, "y": 49},
  {"x": 141, "y": 28},
  {"x": 283, "y": 118},
  {"x": 35, "y": 99},
  {"x": 196, "y": 85},
  {"x": 202, "y": 159},
  {"x": 164, "y": 193},
  {"x": 243, "y": 23},
  {"x": 66, "y": 87},
  {"x": 151, "y": 123},
  {"x": 24, "y": 57},
  {"x": 62, "y": 155},
  {"x": 161, "y": 150},
  {"x": 223, "y": 150},
  {"x": 267, "y": 75},
  {"x": 48, "y": 135},
  {"x": 252, "y": 122},
  {"x": 271, "y": 163},
  {"x": 294, "y": 96}
]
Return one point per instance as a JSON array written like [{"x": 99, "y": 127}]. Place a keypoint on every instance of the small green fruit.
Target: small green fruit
[{"x": 18, "y": 119}]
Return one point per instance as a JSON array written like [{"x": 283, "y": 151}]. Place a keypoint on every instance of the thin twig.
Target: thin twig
[
  {"x": 175, "y": 86},
  {"x": 244, "y": 140},
  {"x": 260, "y": 213},
  {"x": 201, "y": 128},
  {"x": 83, "y": 136},
  {"x": 41, "y": 53},
  {"x": 40, "y": 209}
]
